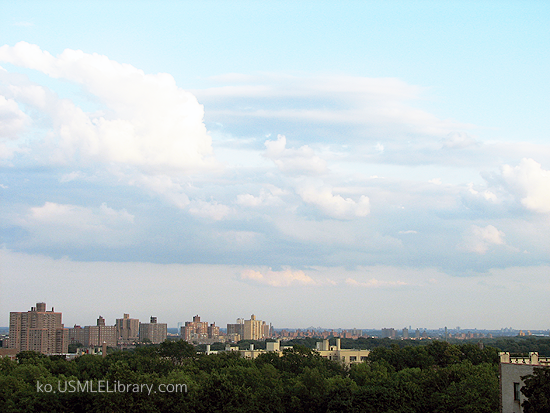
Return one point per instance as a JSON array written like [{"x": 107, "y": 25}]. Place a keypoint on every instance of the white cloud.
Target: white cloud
[
  {"x": 334, "y": 206},
  {"x": 459, "y": 140},
  {"x": 268, "y": 196},
  {"x": 55, "y": 223},
  {"x": 480, "y": 239},
  {"x": 283, "y": 278},
  {"x": 71, "y": 176},
  {"x": 249, "y": 200},
  {"x": 240, "y": 239},
  {"x": 23, "y": 24},
  {"x": 529, "y": 182},
  {"x": 377, "y": 105},
  {"x": 12, "y": 119},
  {"x": 149, "y": 122},
  {"x": 12, "y": 122},
  {"x": 211, "y": 210},
  {"x": 302, "y": 160},
  {"x": 374, "y": 283},
  {"x": 163, "y": 185},
  {"x": 486, "y": 194},
  {"x": 52, "y": 213}
]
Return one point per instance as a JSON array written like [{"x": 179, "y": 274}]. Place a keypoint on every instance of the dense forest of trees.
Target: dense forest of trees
[
  {"x": 515, "y": 345},
  {"x": 438, "y": 377}
]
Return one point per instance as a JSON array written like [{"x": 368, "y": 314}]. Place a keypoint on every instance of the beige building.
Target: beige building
[
  {"x": 335, "y": 353},
  {"x": 235, "y": 332},
  {"x": 389, "y": 333},
  {"x": 511, "y": 371},
  {"x": 254, "y": 329},
  {"x": 127, "y": 330},
  {"x": 153, "y": 332},
  {"x": 94, "y": 336},
  {"x": 252, "y": 353},
  {"x": 77, "y": 335},
  {"x": 213, "y": 331},
  {"x": 195, "y": 331},
  {"x": 38, "y": 330}
]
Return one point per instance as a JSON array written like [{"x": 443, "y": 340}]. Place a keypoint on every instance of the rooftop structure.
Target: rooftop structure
[{"x": 512, "y": 369}]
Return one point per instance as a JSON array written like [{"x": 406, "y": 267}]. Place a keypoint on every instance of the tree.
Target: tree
[
  {"x": 74, "y": 346},
  {"x": 176, "y": 350},
  {"x": 537, "y": 391}
]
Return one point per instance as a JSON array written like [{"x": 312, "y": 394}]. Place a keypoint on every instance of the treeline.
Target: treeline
[
  {"x": 438, "y": 377},
  {"x": 515, "y": 345},
  {"x": 521, "y": 345}
]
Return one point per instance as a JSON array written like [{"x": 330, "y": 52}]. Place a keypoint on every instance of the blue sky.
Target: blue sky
[{"x": 361, "y": 164}]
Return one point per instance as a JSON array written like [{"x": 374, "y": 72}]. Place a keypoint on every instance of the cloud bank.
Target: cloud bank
[{"x": 146, "y": 121}]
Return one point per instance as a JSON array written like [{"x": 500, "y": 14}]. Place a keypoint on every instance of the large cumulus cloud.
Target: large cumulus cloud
[{"x": 146, "y": 120}]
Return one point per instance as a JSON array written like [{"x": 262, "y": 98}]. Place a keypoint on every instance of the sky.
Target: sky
[{"x": 359, "y": 164}]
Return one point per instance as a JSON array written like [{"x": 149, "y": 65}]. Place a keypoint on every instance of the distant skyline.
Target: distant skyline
[{"x": 360, "y": 164}]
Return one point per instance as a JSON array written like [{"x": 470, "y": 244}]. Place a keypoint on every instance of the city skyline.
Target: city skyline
[
  {"x": 206, "y": 325},
  {"x": 128, "y": 330},
  {"x": 358, "y": 165}
]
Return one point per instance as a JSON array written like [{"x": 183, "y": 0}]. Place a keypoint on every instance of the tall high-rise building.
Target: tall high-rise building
[
  {"x": 153, "y": 332},
  {"x": 388, "y": 333},
  {"x": 236, "y": 330},
  {"x": 213, "y": 331},
  {"x": 127, "y": 329},
  {"x": 94, "y": 336},
  {"x": 194, "y": 330},
  {"x": 38, "y": 330},
  {"x": 101, "y": 333},
  {"x": 254, "y": 329}
]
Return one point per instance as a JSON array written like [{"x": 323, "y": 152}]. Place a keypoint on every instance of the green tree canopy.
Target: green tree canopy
[{"x": 537, "y": 391}]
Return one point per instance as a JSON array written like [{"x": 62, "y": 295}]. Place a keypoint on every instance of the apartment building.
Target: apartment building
[
  {"x": 195, "y": 330},
  {"x": 153, "y": 332},
  {"x": 38, "y": 330},
  {"x": 127, "y": 330},
  {"x": 94, "y": 336}
]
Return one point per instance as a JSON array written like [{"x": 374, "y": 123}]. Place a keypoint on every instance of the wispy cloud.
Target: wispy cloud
[
  {"x": 23, "y": 24},
  {"x": 284, "y": 278},
  {"x": 374, "y": 283},
  {"x": 479, "y": 239},
  {"x": 66, "y": 224},
  {"x": 294, "y": 161},
  {"x": 334, "y": 206}
]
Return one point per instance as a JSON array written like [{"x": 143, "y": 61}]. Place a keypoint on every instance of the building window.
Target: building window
[
  {"x": 516, "y": 391},
  {"x": 352, "y": 358}
]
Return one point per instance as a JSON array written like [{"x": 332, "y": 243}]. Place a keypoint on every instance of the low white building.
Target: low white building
[
  {"x": 335, "y": 353},
  {"x": 511, "y": 370},
  {"x": 344, "y": 355}
]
